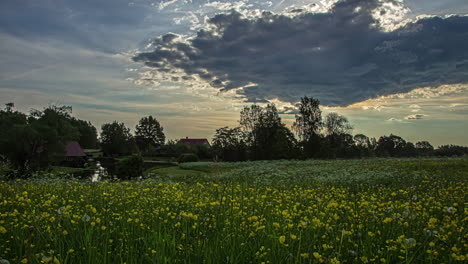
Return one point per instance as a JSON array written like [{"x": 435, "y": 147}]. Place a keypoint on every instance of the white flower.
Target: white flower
[
  {"x": 410, "y": 242},
  {"x": 85, "y": 218},
  {"x": 451, "y": 210},
  {"x": 61, "y": 210}
]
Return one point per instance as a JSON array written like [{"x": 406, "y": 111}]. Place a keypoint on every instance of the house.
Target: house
[
  {"x": 191, "y": 142},
  {"x": 74, "y": 155},
  {"x": 73, "y": 150}
]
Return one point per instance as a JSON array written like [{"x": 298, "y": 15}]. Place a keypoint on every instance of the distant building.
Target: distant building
[
  {"x": 191, "y": 142},
  {"x": 73, "y": 150},
  {"x": 74, "y": 156}
]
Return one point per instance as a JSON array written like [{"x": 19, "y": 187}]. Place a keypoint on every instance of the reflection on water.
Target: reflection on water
[{"x": 98, "y": 173}]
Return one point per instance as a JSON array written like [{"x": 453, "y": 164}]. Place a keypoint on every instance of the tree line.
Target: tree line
[
  {"x": 33, "y": 141},
  {"x": 261, "y": 135}
]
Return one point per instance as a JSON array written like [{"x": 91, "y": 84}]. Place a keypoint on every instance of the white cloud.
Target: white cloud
[
  {"x": 415, "y": 117},
  {"x": 163, "y": 4}
]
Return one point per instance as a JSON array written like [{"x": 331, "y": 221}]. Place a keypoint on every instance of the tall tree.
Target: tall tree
[
  {"x": 229, "y": 144},
  {"x": 394, "y": 146},
  {"x": 29, "y": 143},
  {"x": 338, "y": 139},
  {"x": 362, "y": 141},
  {"x": 309, "y": 120},
  {"x": 424, "y": 148},
  {"x": 88, "y": 134},
  {"x": 336, "y": 124},
  {"x": 267, "y": 136},
  {"x": 250, "y": 117},
  {"x": 363, "y": 146},
  {"x": 58, "y": 118},
  {"x": 149, "y": 134},
  {"x": 116, "y": 139},
  {"x": 308, "y": 125}
]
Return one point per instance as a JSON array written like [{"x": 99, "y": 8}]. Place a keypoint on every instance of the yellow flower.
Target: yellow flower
[
  {"x": 70, "y": 251},
  {"x": 293, "y": 237},
  {"x": 2, "y": 230},
  {"x": 334, "y": 261},
  {"x": 24, "y": 261},
  {"x": 282, "y": 239},
  {"x": 305, "y": 255},
  {"x": 103, "y": 228},
  {"x": 317, "y": 255},
  {"x": 432, "y": 222}
]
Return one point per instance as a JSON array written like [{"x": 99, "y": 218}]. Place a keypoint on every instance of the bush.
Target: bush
[
  {"x": 130, "y": 167},
  {"x": 187, "y": 157},
  {"x": 5, "y": 170},
  {"x": 203, "y": 151}
]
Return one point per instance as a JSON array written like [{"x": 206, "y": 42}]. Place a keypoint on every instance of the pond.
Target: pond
[{"x": 98, "y": 173}]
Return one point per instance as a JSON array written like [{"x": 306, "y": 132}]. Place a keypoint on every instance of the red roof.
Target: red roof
[
  {"x": 194, "y": 141},
  {"x": 73, "y": 149}
]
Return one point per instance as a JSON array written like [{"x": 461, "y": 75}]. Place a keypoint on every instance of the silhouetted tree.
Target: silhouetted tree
[
  {"x": 424, "y": 148},
  {"x": 58, "y": 118},
  {"x": 229, "y": 144},
  {"x": 265, "y": 132},
  {"x": 395, "y": 146},
  {"x": 363, "y": 146},
  {"x": 336, "y": 124},
  {"x": 308, "y": 125},
  {"x": 149, "y": 135},
  {"x": 88, "y": 138},
  {"x": 339, "y": 141},
  {"x": 309, "y": 120},
  {"x": 30, "y": 143},
  {"x": 451, "y": 150},
  {"x": 116, "y": 139}
]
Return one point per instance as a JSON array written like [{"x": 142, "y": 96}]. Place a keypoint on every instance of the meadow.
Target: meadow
[{"x": 342, "y": 211}]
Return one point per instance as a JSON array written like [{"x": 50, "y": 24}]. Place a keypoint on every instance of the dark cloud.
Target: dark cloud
[{"x": 340, "y": 57}]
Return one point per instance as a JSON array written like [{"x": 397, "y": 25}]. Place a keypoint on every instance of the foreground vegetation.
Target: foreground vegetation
[{"x": 361, "y": 211}]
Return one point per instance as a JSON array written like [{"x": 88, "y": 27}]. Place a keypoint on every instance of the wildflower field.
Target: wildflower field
[{"x": 352, "y": 211}]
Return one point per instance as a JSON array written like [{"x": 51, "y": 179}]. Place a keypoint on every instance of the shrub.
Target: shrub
[
  {"x": 130, "y": 167},
  {"x": 187, "y": 157},
  {"x": 5, "y": 170}
]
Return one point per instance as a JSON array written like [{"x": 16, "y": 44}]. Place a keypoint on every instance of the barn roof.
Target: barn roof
[
  {"x": 194, "y": 141},
  {"x": 73, "y": 149}
]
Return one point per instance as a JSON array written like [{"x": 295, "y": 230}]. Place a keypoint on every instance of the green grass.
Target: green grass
[{"x": 160, "y": 158}]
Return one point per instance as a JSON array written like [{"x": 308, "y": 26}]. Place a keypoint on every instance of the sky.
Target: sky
[{"x": 389, "y": 66}]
